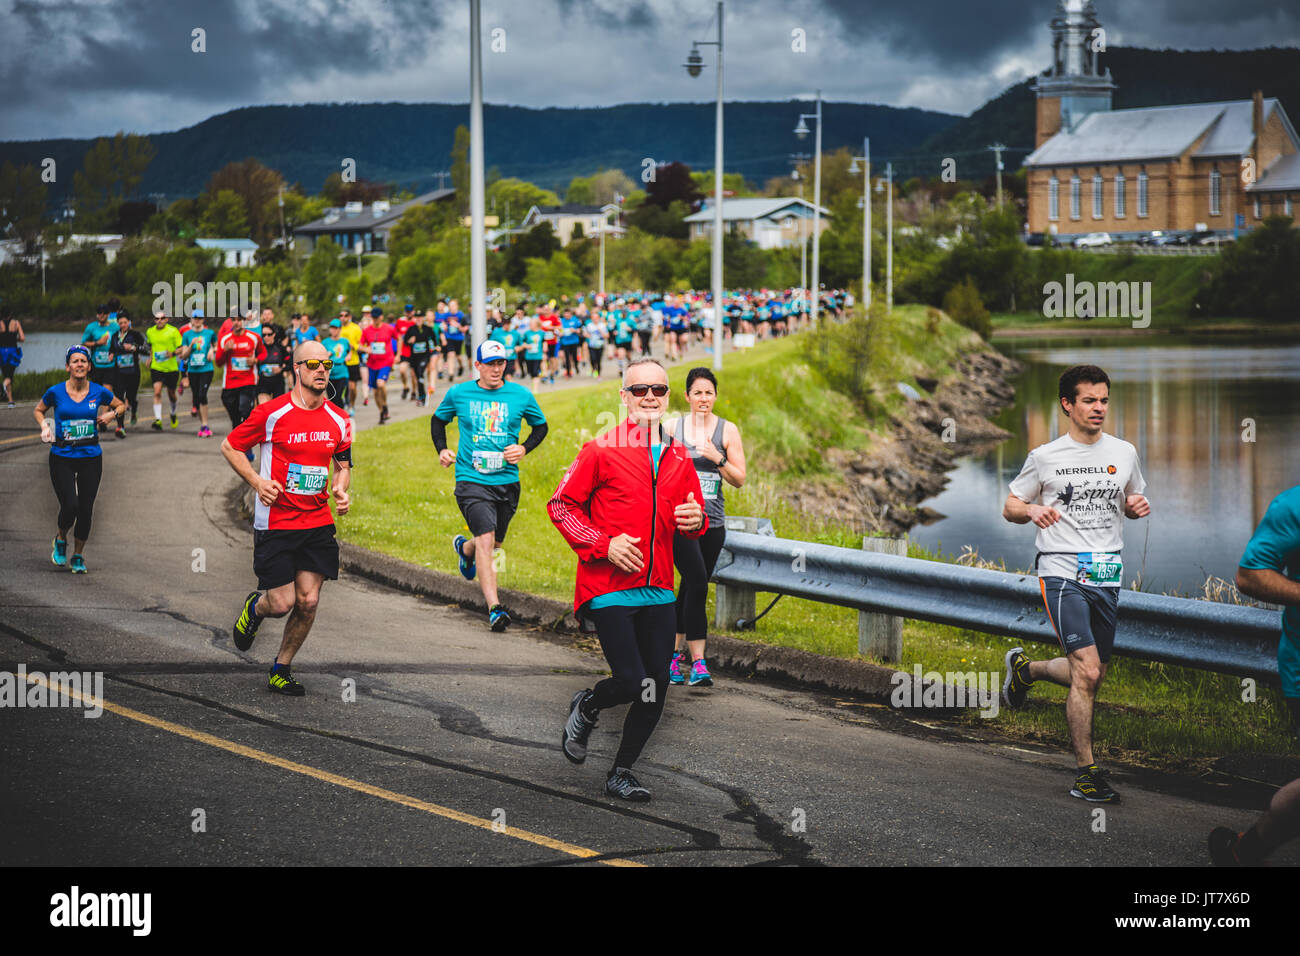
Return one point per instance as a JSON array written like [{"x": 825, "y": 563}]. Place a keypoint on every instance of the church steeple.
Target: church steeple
[{"x": 1075, "y": 85}]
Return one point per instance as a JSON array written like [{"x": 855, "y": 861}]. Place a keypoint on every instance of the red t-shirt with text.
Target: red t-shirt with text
[
  {"x": 380, "y": 338},
  {"x": 239, "y": 353}
]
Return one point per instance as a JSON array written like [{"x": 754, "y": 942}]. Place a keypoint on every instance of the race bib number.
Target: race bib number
[
  {"x": 417, "y": 348},
  {"x": 710, "y": 482},
  {"x": 103, "y": 357},
  {"x": 377, "y": 348},
  {"x": 125, "y": 361},
  {"x": 1099, "y": 568},
  {"x": 240, "y": 363},
  {"x": 79, "y": 429},
  {"x": 161, "y": 355},
  {"x": 306, "y": 479},
  {"x": 267, "y": 370},
  {"x": 488, "y": 462}
]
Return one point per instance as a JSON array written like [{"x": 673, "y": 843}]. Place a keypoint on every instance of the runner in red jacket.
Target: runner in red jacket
[{"x": 619, "y": 505}]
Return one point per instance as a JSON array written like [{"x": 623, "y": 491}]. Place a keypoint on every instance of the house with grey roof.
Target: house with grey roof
[
  {"x": 768, "y": 222},
  {"x": 230, "y": 253},
  {"x": 368, "y": 224},
  {"x": 566, "y": 217}
]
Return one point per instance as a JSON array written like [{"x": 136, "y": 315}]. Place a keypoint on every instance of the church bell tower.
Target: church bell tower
[{"x": 1074, "y": 86}]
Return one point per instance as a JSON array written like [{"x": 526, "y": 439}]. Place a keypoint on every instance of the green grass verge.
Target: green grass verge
[
  {"x": 30, "y": 386},
  {"x": 1149, "y": 713}
]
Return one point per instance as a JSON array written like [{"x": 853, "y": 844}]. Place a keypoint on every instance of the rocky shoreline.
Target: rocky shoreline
[{"x": 885, "y": 485}]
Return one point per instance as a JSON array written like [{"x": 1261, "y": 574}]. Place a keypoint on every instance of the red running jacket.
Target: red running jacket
[{"x": 610, "y": 489}]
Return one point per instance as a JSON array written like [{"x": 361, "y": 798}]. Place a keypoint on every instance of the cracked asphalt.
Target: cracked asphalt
[{"x": 426, "y": 739}]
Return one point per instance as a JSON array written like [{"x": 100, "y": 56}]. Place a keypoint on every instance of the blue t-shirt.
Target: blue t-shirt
[
  {"x": 572, "y": 329},
  {"x": 338, "y": 350},
  {"x": 76, "y": 433},
  {"x": 1275, "y": 546},
  {"x": 489, "y": 421},
  {"x": 533, "y": 340},
  {"x": 101, "y": 356},
  {"x": 455, "y": 331},
  {"x": 309, "y": 334},
  {"x": 200, "y": 341}
]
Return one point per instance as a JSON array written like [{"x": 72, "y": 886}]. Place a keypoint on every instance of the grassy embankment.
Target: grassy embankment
[
  {"x": 1150, "y": 713},
  {"x": 1174, "y": 283}
]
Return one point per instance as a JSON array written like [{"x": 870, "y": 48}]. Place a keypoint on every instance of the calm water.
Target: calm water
[
  {"x": 1182, "y": 404},
  {"x": 45, "y": 350}
]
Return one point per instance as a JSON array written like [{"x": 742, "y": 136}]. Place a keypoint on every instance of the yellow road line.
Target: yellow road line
[
  {"x": 390, "y": 795},
  {"x": 10, "y": 441}
]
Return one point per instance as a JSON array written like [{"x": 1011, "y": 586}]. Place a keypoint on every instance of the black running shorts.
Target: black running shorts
[
  {"x": 487, "y": 507},
  {"x": 278, "y": 555},
  {"x": 168, "y": 379},
  {"x": 1082, "y": 615}
]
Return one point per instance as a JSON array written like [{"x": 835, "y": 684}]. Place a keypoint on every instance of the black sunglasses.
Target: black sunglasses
[{"x": 639, "y": 391}]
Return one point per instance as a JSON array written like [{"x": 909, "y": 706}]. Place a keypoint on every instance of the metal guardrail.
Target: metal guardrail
[{"x": 1227, "y": 638}]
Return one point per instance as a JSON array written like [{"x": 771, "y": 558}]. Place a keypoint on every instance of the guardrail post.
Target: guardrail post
[
  {"x": 881, "y": 635},
  {"x": 731, "y": 603}
]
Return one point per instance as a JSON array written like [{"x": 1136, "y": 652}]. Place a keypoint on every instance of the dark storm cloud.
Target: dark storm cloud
[
  {"x": 960, "y": 34},
  {"x": 610, "y": 15}
]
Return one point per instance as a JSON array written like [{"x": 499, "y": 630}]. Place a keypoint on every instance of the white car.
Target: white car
[{"x": 1093, "y": 239}]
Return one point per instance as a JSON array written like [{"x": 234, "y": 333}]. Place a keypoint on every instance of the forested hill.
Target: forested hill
[
  {"x": 407, "y": 143},
  {"x": 1144, "y": 78}
]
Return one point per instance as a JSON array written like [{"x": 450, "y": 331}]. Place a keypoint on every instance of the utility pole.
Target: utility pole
[
  {"x": 997, "y": 149},
  {"x": 478, "y": 252},
  {"x": 283, "y": 243}
]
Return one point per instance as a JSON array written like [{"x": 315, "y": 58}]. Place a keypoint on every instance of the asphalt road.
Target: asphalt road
[{"x": 448, "y": 752}]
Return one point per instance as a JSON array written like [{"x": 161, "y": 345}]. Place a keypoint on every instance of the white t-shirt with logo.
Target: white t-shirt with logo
[{"x": 1087, "y": 484}]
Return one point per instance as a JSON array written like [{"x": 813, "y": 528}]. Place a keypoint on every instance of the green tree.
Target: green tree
[
  {"x": 460, "y": 168},
  {"x": 259, "y": 188},
  {"x": 22, "y": 203},
  {"x": 111, "y": 171},
  {"x": 538, "y": 242},
  {"x": 1258, "y": 276},
  {"x": 224, "y": 216},
  {"x": 551, "y": 278},
  {"x": 517, "y": 196},
  {"x": 963, "y": 305},
  {"x": 322, "y": 277},
  {"x": 600, "y": 187}
]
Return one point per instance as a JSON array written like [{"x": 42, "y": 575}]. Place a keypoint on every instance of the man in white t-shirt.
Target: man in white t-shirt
[{"x": 1076, "y": 490}]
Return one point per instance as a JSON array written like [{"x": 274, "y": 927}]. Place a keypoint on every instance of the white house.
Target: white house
[
  {"x": 771, "y": 223},
  {"x": 232, "y": 253}
]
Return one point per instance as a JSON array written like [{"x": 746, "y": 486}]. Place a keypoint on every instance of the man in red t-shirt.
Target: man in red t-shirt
[
  {"x": 238, "y": 352},
  {"x": 404, "y": 360},
  {"x": 294, "y": 550},
  {"x": 551, "y": 340},
  {"x": 380, "y": 344}
]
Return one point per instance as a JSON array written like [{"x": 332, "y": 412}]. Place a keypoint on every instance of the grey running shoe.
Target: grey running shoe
[{"x": 577, "y": 728}]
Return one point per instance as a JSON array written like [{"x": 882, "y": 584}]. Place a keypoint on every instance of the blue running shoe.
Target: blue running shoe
[
  {"x": 60, "y": 553},
  {"x": 700, "y": 676},
  {"x": 498, "y": 618},
  {"x": 675, "y": 675},
  {"x": 467, "y": 568},
  {"x": 78, "y": 564}
]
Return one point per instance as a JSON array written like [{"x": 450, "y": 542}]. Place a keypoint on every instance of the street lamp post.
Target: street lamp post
[
  {"x": 478, "y": 244},
  {"x": 865, "y": 159},
  {"x": 694, "y": 64},
  {"x": 889, "y": 229},
  {"x": 802, "y": 132},
  {"x": 803, "y": 242}
]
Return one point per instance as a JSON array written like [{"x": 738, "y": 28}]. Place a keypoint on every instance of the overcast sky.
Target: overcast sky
[{"x": 81, "y": 68}]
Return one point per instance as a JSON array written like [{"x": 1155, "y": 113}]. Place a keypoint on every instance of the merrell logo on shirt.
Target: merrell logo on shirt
[{"x": 1108, "y": 470}]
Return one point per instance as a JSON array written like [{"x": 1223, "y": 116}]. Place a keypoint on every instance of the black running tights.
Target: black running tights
[
  {"x": 76, "y": 482},
  {"x": 696, "y": 558},
  {"x": 638, "y": 644}
]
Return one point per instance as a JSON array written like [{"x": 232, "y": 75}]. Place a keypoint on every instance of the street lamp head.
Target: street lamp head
[
  {"x": 795, "y": 175},
  {"x": 880, "y": 185},
  {"x": 861, "y": 204},
  {"x": 694, "y": 62},
  {"x": 853, "y": 168},
  {"x": 802, "y": 129}
]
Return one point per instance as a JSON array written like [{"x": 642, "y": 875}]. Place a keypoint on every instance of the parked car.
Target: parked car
[
  {"x": 1150, "y": 238},
  {"x": 1093, "y": 239},
  {"x": 1034, "y": 239}
]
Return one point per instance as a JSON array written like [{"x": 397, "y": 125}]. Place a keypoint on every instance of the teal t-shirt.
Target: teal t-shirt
[
  {"x": 489, "y": 421},
  {"x": 1275, "y": 546},
  {"x": 101, "y": 356},
  {"x": 642, "y": 596},
  {"x": 533, "y": 339},
  {"x": 338, "y": 350},
  {"x": 200, "y": 341}
]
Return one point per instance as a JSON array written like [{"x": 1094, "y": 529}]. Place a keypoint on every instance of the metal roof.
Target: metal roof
[
  {"x": 751, "y": 208},
  {"x": 226, "y": 245},
  {"x": 1283, "y": 174},
  {"x": 336, "y": 219},
  {"x": 1159, "y": 132}
]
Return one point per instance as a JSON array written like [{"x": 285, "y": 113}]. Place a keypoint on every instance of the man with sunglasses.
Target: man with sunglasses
[
  {"x": 490, "y": 411},
  {"x": 619, "y": 504},
  {"x": 294, "y": 548}
]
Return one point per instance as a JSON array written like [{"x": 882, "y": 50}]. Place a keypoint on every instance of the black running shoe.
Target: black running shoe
[
  {"x": 621, "y": 784},
  {"x": 1091, "y": 785},
  {"x": 1223, "y": 847},
  {"x": 577, "y": 728},
  {"x": 280, "y": 681},
  {"x": 246, "y": 625},
  {"x": 1016, "y": 686}
]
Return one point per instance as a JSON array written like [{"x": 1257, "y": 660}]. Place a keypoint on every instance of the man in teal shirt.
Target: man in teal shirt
[
  {"x": 490, "y": 411},
  {"x": 97, "y": 338},
  {"x": 338, "y": 349}
]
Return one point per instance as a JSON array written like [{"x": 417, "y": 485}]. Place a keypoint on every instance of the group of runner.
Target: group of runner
[{"x": 636, "y": 501}]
